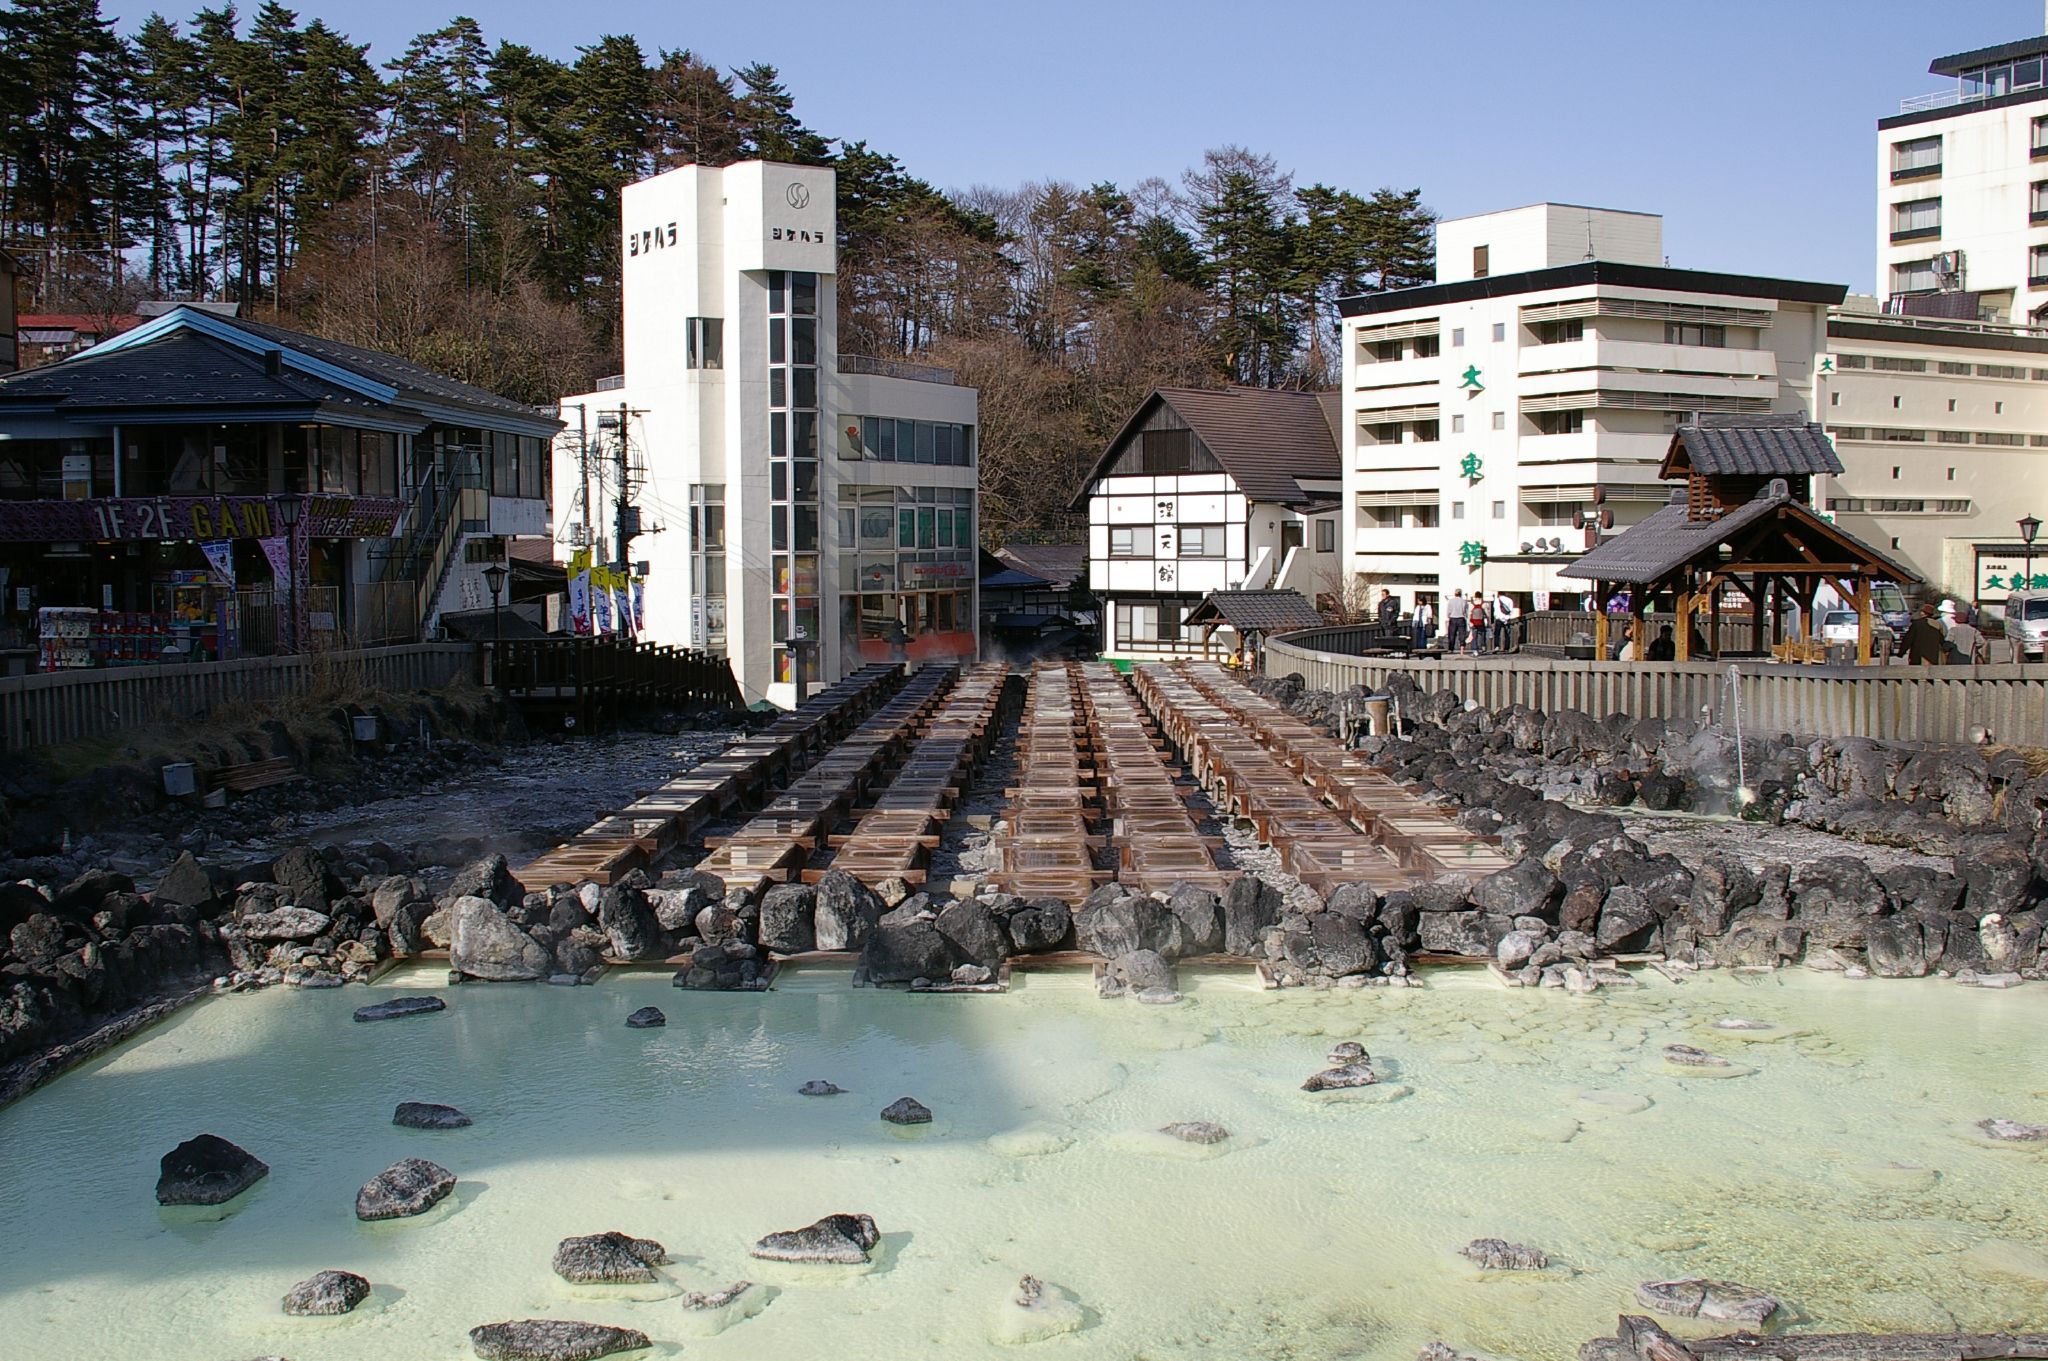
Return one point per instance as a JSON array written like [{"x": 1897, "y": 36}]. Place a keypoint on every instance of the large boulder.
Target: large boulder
[
  {"x": 1837, "y": 898},
  {"x": 207, "y": 1170},
  {"x": 1112, "y": 924},
  {"x": 787, "y": 919},
  {"x": 1896, "y": 948},
  {"x": 1342, "y": 946},
  {"x": 610, "y": 1258},
  {"x": 1359, "y": 902},
  {"x": 428, "y": 1115},
  {"x": 844, "y": 911},
  {"x": 1996, "y": 876},
  {"x": 1250, "y": 905},
  {"x": 83, "y": 895},
  {"x": 1460, "y": 933},
  {"x": 552, "y": 1339},
  {"x": 285, "y": 924},
  {"x": 485, "y": 944},
  {"x": 326, "y": 1292},
  {"x": 973, "y": 934},
  {"x": 185, "y": 884},
  {"x": 845, "y": 1240},
  {"x": 1142, "y": 969},
  {"x": 303, "y": 874},
  {"x": 1628, "y": 923},
  {"x": 629, "y": 923},
  {"x": 489, "y": 878},
  {"x": 1200, "y": 914},
  {"x": 903, "y": 953},
  {"x": 410, "y": 1186},
  {"x": 1722, "y": 887},
  {"x": 1039, "y": 925},
  {"x": 1524, "y": 889}
]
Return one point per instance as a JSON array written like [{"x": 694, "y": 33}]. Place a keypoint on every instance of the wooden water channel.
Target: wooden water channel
[{"x": 866, "y": 774}]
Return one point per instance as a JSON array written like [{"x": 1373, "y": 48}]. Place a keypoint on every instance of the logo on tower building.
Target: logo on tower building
[{"x": 798, "y": 195}]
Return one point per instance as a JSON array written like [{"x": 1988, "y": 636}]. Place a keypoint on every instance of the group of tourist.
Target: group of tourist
[
  {"x": 1471, "y": 623},
  {"x": 1944, "y": 635}
]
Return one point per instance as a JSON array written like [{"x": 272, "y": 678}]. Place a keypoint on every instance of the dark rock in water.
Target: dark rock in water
[
  {"x": 1661, "y": 792},
  {"x": 1111, "y": 925},
  {"x": 1196, "y": 1131},
  {"x": 207, "y": 1170},
  {"x": 1348, "y": 1051},
  {"x": 428, "y": 1115},
  {"x": 1524, "y": 889},
  {"x": 1497, "y": 1254},
  {"x": 1342, "y": 947},
  {"x": 1342, "y": 1076},
  {"x": 819, "y": 1087},
  {"x": 549, "y": 1339},
  {"x": 1694, "y": 1297},
  {"x": 1141, "y": 969},
  {"x": 1039, "y": 925},
  {"x": 326, "y": 1292},
  {"x": 901, "y": 953},
  {"x": 489, "y": 878},
  {"x": 972, "y": 975},
  {"x": 1686, "y": 1056},
  {"x": 907, "y": 1110},
  {"x": 608, "y": 1259},
  {"x": 408, "y": 1187},
  {"x": 647, "y": 1018},
  {"x": 1250, "y": 905},
  {"x": 2012, "y": 1131},
  {"x": 842, "y": 1239},
  {"x": 715, "y": 1299},
  {"x": 303, "y": 874},
  {"x": 788, "y": 919},
  {"x": 400, "y": 1006}
]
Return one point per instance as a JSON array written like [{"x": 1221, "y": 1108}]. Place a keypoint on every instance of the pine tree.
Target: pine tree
[{"x": 768, "y": 126}]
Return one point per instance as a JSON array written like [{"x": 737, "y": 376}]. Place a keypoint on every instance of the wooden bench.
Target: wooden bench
[{"x": 257, "y": 775}]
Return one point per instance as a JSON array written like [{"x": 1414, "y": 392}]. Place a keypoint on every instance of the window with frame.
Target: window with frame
[
  {"x": 1326, "y": 536},
  {"x": 1689, "y": 333},
  {"x": 1559, "y": 422},
  {"x": 1123, "y": 541},
  {"x": 1558, "y": 332},
  {"x": 1500, "y": 510},
  {"x": 2037, "y": 199},
  {"x": 1425, "y": 432},
  {"x": 1914, "y": 276},
  {"x": 1457, "y": 337},
  {"x": 1425, "y": 517},
  {"x": 2040, "y": 135},
  {"x": 1428, "y": 346},
  {"x": 1482, "y": 261},
  {"x": 1457, "y": 425},
  {"x": 1500, "y": 420},
  {"x": 1457, "y": 510},
  {"x": 2037, "y": 263},
  {"x": 1917, "y": 216},
  {"x": 1384, "y": 351},
  {"x": 705, "y": 342},
  {"x": 1500, "y": 331},
  {"x": 1916, "y": 155},
  {"x": 1201, "y": 541}
]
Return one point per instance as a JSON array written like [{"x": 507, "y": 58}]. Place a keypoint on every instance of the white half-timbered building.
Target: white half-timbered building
[{"x": 1210, "y": 490}]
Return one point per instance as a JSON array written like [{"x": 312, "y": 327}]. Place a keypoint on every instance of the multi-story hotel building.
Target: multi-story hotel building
[
  {"x": 1962, "y": 190},
  {"x": 1533, "y": 388},
  {"x": 780, "y": 503}
]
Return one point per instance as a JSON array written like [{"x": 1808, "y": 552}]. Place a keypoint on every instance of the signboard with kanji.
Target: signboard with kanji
[{"x": 2002, "y": 571}]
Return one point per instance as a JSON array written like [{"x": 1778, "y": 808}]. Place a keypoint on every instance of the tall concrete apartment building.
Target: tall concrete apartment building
[
  {"x": 779, "y": 502},
  {"x": 1531, "y": 391}
]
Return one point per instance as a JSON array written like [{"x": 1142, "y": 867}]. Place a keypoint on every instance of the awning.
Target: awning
[{"x": 532, "y": 582}]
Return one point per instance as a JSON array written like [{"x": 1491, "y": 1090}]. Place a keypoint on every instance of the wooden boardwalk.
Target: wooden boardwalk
[
  {"x": 895, "y": 837},
  {"x": 1158, "y": 840},
  {"x": 1051, "y": 811},
  {"x": 773, "y": 845},
  {"x": 637, "y": 835}
]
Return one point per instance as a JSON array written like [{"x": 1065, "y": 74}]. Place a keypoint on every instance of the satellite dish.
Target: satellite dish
[{"x": 1528, "y": 548}]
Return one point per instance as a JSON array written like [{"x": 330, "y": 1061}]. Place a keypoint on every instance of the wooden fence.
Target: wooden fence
[
  {"x": 594, "y": 680},
  {"x": 62, "y": 706},
  {"x": 1895, "y": 703}
]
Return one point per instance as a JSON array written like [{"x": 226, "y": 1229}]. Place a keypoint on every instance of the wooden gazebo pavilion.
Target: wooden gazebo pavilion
[
  {"x": 1253, "y": 615},
  {"x": 1741, "y": 518}
]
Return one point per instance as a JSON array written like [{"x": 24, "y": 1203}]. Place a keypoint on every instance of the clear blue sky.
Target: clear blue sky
[{"x": 1749, "y": 124}]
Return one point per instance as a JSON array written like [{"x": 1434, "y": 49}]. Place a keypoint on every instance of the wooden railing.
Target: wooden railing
[
  {"x": 1894, "y": 703},
  {"x": 62, "y": 706},
  {"x": 594, "y": 679}
]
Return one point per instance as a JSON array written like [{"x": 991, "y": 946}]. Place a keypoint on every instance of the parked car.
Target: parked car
[
  {"x": 1839, "y": 626},
  {"x": 2026, "y": 622}
]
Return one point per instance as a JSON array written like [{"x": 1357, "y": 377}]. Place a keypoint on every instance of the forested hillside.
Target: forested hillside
[{"x": 458, "y": 203}]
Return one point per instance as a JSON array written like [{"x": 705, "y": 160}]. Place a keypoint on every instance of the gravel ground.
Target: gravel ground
[{"x": 1692, "y": 836}]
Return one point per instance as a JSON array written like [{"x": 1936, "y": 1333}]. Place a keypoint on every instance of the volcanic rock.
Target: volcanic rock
[
  {"x": 548, "y": 1339},
  {"x": 2012, "y": 1131},
  {"x": 1687, "y": 1056},
  {"x": 285, "y": 923},
  {"x": 484, "y": 943},
  {"x": 1344, "y": 1075},
  {"x": 610, "y": 1258},
  {"x": 1694, "y": 1297},
  {"x": 326, "y": 1292},
  {"x": 1039, "y": 925},
  {"x": 408, "y": 1187},
  {"x": 647, "y": 1018},
  {"x": 841, "y": 1239},
  {"x": 788, "y": 919},
  {"x": 400, "y": 1006},
  {"x": 819, "y": 1087},
  {"x": 428, "y": 1115},
  {"x": 1196, "y": 1131},
  {"x": 207, "y": 1170},
  {"x": 907, "y": 1110},
  {"x": 1497, "y": 1254}
]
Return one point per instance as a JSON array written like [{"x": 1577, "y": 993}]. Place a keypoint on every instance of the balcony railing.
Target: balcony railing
[{"x": 1940, "y": 99}]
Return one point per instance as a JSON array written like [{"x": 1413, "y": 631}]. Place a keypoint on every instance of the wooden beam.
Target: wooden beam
[
  {"x": 1682, "y": 636},
  {"x": 1862, "y": 621}
]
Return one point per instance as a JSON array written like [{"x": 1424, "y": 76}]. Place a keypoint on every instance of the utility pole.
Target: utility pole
[{"x": 625, "y": 488}]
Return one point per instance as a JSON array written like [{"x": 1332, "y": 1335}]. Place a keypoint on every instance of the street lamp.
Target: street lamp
[
  {"x": 799, "y": 645},
  {"x": 2029, "y": 527},
  {"x": 494, "y": 578},
  {"x": 288, "y": 520}
]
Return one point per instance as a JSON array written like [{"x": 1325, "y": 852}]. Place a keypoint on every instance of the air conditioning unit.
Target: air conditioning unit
[
  {"x": 577, "y": 536},
  {"x": 1948, "y": 270}
]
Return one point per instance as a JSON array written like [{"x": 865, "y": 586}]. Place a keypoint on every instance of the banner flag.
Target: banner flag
[{"x": 220, "y": 555}]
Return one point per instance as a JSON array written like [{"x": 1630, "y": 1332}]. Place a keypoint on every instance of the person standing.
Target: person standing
[
  {"x": 1457, "y": 621},
  {"x": 1507, "y": 619},
  {"x": 1482, "y": 619},
  {"x": 1424, "y": 621},
  {"x": 1389, "y": 610},
  {"x": 1925, "y": 643},
  {"x": 1966, "y": 646}
]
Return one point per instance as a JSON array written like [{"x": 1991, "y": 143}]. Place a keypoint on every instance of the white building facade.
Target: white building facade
[
  {"x": 1533, "y": 390},
  {"x": 1210, "y": 490},
  {"x": 782, "y": 503},
  {"x": 1962, "y": 190}
]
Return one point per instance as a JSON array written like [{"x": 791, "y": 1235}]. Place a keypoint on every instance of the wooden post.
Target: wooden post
[
  {"x": 1756, "y": 614},
  {"x": 1862, "y": 620},
  {"x": 1682, "y": 635},
  {"x": 1599, "y": 621},
  {"x": 1638, "y": 608}
]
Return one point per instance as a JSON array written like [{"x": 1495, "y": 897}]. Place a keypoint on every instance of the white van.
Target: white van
[{"x": 2026, "y": 623}]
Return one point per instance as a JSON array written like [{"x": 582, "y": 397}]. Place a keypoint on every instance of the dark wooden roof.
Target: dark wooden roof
[
  {"x": 1256, "y": 611},
  {"x": 1653, "y": 550},
  {"x": 1602, "y": 272},
  {"x": 1060, "y": 564},
  {"x": 1763, "y": 445},
  {"x": 1957, "y": 63},
  {"x": 1265, "y": 439}
]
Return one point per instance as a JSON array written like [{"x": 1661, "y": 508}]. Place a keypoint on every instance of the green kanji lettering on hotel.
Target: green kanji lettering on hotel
[
  {"x": 1471, "y": 381},
  {"x": 1469, "y": 467},
  {"x": 1471, "y": 552}
]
